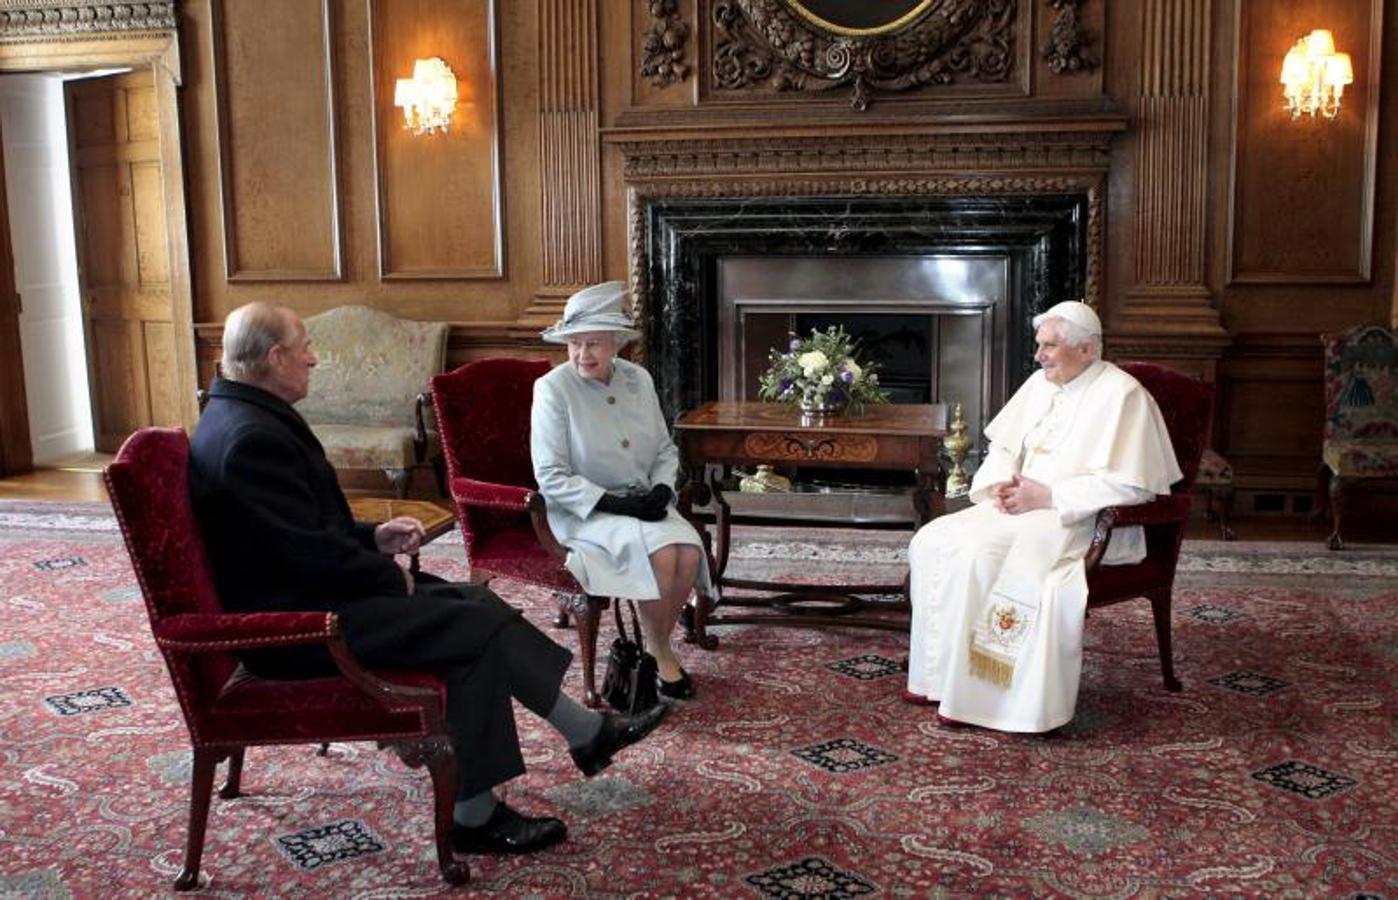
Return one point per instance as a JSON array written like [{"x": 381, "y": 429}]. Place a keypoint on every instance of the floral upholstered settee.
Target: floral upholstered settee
[
  {"x": 1361, "y": 413},
  {"x": 366, "y": 402}
]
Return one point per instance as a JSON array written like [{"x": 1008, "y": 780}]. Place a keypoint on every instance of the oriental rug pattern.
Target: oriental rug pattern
[{"x": 797, "y": 773}]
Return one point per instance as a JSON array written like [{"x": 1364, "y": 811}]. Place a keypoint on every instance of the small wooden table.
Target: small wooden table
[
  {"x": 897, "y": 437},
  {"x": 435, "y": 520}
]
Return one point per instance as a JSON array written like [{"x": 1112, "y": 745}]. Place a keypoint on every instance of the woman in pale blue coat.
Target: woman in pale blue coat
[{"x": 606, "y": 467}]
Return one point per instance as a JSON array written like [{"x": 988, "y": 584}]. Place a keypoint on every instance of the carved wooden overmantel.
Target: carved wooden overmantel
[{"x": 784, "y": 46}]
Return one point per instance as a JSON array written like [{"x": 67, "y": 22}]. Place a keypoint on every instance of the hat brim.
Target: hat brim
[{"x": 559, "y": 333}]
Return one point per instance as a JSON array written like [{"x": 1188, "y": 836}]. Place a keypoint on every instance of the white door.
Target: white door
[{"x": 38, "y": 187}]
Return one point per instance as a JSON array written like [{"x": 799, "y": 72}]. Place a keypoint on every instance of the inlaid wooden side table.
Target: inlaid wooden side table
[
  {"x": 896, "y": 437},
  {"x": 435, "y": 520}
]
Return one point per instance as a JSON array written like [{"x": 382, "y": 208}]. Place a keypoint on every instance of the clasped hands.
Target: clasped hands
[
  {"x": 1021, "y": 495},
  {"x": 648, "y": 507},
  {"x": 403, "y": 534}
]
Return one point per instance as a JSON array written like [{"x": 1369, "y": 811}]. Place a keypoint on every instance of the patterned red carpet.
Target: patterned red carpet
[{"x": 797, "y": 773}]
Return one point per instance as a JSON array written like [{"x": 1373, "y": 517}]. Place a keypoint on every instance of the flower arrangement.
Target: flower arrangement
[{"x": 820, "y": 373}]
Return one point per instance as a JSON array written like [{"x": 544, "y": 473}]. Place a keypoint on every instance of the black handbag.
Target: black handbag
[{"x": 631, "y": 683}]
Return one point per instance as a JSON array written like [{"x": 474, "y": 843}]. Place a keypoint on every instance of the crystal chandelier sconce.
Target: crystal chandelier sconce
[
  {"x": 428, "y": 99},
  {"x": 1314, "y": 76}
]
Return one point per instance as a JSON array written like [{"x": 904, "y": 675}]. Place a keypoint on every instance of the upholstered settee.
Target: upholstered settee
[{"x": 367, "y": 403}]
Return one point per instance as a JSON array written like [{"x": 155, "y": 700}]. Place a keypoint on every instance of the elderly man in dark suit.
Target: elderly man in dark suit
[{"x": 280, "y": 537}]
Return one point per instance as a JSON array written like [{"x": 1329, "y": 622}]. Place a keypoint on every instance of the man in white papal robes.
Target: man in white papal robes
[{"x": 999, "y": 590}]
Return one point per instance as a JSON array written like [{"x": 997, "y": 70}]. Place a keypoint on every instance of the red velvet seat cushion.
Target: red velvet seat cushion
[{"x": 516, "y": 553}]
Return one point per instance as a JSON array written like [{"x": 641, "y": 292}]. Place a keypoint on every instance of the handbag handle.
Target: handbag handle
[{"x": 635, "y": 623}]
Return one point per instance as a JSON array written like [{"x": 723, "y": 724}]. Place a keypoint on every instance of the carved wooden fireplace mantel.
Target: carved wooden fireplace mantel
[{"x": 865, "y": 190}]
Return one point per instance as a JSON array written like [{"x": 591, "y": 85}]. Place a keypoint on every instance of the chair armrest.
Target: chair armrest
[
  {"x": 469, "y": 492},
  {"x": 538, "y": 515},
  {"x": 225, "y": 632},
  {"x": 221, "y": 632},
  {"x": 420, "y": 407},
  {"x": 1166, "y": 510}
]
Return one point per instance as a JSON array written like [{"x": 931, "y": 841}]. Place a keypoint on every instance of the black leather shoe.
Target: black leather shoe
[
  {"x": 680, "y": 689},
  {"x": 618, "y": 731},
  {"x": 506, "y": 831}
]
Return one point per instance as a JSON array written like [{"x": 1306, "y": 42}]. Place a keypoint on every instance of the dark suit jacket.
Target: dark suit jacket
[{"x": 277, "y": 527}]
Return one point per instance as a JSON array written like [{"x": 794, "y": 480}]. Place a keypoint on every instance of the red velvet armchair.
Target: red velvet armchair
[
  {"x": 227, "y": 709},
  {"x": 1187, "y": 405},
  {"x": 483, "y": 416}
]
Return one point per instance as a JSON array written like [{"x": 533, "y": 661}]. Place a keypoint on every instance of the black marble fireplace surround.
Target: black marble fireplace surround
[{"x": 1043, "y": 236}]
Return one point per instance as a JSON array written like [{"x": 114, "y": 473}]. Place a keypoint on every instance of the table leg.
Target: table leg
[{"x": 722, "y": 528}]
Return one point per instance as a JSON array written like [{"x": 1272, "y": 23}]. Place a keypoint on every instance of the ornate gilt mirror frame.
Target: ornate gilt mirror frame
[{"x": 889, "y": 45}]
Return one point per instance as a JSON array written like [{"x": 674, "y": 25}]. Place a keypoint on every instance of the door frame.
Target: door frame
[{"x": 160, "y": 52}]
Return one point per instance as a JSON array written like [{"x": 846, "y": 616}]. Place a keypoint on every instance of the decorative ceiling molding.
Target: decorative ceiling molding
[
  {"x": 765, "y": 42},
  {"x": 30, "y": 19},
  {"x": 662, "y": 49},
  {"x": 1067, "y": 49},
  {"x": 982, "y": 151}
]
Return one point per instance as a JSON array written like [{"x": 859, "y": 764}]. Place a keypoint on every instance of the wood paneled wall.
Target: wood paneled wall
[{"x": 1234, "y": 237}]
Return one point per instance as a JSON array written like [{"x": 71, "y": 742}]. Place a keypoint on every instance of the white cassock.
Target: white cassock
[
  {"x": 588, "y": 438},
  {"x": 999, "y": 599}
]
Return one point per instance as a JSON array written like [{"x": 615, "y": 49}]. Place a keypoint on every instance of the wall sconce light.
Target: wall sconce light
[
  {"x": 428, "y": 98},
  {"x": 1314, "y": 76}
]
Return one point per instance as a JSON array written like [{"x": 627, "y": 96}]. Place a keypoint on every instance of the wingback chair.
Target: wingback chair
[
  {"x": 366, "y": 403},
  {"x": 1187, "y": 405},
  {"x": 1360, "y": 437},
  {"x": 483, "y": 412},
  {"x": 225, "y": 708}
]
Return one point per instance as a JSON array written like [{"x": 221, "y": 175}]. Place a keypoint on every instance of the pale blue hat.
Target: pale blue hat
[{"x": 601, "y": 307}]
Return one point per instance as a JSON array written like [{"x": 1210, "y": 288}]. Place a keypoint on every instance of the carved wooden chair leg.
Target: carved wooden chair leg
[
  {"x": 201, "y": 786},
  {"x": 589, "y": 615},
  {"x": 439, "y": 471},
  {"x": 441, "y": 763},
  {"x": 1322, "y": 494},
  {"x": 696, "y": 621},
  {"x": 566, "y": 602},
  {"x": 1160, "y": 612},
  {"x": 233, "y": 784},
  {"x": 323, "y": 750},
  {"x": 1225, "y": 514},
  {"x": 1337, "y": 486}
]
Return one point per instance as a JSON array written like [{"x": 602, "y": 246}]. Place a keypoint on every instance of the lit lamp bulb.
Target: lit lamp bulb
[
  {"x": 1314, "y": 76},
  {"x": 428, "y": 99}
]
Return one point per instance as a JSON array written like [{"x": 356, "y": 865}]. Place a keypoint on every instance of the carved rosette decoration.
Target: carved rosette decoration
[
  {"x": 1068, "y": 43},
  {"x": 46, "y": 18},
  {"x": 662, "y": 50},
  {"x": 760, "y": 42}
]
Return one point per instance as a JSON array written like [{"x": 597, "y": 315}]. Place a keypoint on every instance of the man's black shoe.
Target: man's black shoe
[
  {"x": 506, "y": 831},
  {"x": 617, "y": 731}
]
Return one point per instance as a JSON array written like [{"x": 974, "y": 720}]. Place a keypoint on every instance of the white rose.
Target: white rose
[
  {"x": 827, "y": 379},
  {"x": 812, "y": 362}
]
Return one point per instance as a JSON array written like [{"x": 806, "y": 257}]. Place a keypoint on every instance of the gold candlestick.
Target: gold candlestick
[{"x": 956, "y": 445}]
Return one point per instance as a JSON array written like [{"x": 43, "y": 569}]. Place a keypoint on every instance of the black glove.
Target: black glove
[
  {"x": 630, "y": 505},
  {"x": 648, "y": 507},
  {"x": 657, "y": 503}
]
